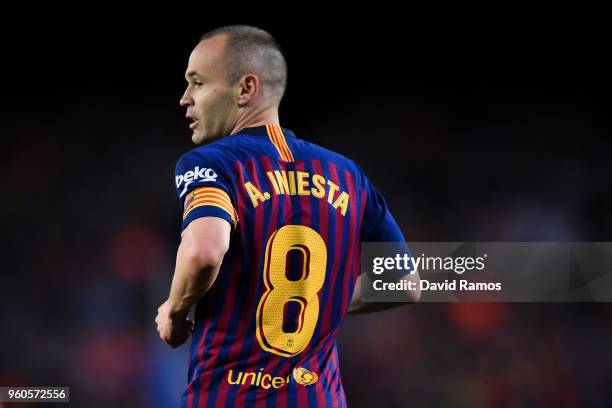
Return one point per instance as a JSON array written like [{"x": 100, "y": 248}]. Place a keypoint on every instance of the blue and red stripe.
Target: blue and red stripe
[{"x": 225, "y": 334}]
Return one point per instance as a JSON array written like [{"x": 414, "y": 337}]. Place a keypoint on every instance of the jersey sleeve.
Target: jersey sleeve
[
  {"x": 378, "y": 222},
  {"x": 380, "y": 226},
  {"x": 202, "y": 188}
]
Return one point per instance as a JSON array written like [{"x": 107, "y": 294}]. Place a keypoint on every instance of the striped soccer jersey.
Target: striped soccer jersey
[{"x": 265, "y": 332}]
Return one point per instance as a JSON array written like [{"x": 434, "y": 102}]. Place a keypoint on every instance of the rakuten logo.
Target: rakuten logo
[{"x": 198, "y": 174}]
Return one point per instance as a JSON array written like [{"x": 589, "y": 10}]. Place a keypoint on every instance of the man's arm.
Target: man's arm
[
  {"x": 379, "y": 226},
  {"x": 204, "y": 243},
  {"x": 359, "y": 307}
]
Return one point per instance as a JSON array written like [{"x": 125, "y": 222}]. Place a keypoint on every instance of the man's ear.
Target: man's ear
[{"x": 248, "y": 88}]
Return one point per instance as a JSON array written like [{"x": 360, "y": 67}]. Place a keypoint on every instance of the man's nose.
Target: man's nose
[{"x": 186, "y": 99}]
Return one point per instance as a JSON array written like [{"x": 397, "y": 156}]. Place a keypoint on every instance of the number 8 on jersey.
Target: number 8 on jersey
[{"x": 280, "y": 290}]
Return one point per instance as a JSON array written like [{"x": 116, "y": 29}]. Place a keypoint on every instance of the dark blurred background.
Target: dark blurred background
[{"x": 475, "y": 130}]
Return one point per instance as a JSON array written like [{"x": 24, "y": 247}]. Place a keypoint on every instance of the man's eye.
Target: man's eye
[{"x": 197, "y": 84}]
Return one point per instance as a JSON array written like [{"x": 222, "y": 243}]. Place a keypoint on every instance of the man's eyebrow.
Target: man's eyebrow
[{"x": 191, "y": 74}]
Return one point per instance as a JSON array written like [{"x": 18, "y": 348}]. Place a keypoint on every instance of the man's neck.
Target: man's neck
[{"x": 267, "y": 117}]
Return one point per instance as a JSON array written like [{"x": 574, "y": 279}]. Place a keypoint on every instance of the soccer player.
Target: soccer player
[{"x": 270, "y": 242}]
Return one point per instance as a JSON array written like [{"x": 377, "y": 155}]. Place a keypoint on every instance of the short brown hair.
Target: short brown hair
[{"x": 253, "y": 50}]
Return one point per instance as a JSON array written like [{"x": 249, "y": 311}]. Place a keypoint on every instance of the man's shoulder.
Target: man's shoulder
[
  {"x": 331, "y": 156},
  {"x": 320, "y": 152},
  {"x": 210, "y": 152}
]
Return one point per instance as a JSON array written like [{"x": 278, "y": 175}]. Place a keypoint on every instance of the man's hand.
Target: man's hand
[{"x": 174, "y": 330}]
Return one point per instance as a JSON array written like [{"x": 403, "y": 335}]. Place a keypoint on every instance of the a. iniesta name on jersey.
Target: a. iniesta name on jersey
[{"x": 299, "y": 183}]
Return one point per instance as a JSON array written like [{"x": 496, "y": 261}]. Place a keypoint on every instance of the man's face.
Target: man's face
[{"x": 209, "y": 99}]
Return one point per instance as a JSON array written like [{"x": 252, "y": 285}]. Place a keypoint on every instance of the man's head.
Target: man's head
[{"x": 235, "y": 71}]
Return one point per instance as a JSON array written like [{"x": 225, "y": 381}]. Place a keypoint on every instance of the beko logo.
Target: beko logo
[{"x": 198, "y": 174}]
